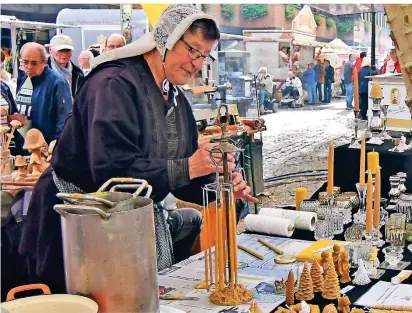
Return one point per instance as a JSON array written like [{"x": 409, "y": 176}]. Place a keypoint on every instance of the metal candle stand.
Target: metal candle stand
[
  {"x": 384, "y": 135},
  {"x": 355, "y": 142},
  {"x": 226, "y": 291},
  {"x": 375, "y": 125}
]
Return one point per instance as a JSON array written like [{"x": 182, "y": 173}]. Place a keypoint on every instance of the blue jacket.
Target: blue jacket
[
  {"x": 51, "y": 103},
  {"x": 329, "y": 74},
  {"x": 309, "y": 77},
  {"x": 316, "y": 69},
  {"x": 363, "y": 81}
]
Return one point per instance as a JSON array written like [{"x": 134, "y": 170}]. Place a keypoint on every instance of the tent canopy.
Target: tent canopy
[
  {"x": 8, "y": 21},
  {"x": 318, "y": 44}
]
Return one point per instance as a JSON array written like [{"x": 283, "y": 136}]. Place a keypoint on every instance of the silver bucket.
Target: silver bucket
[{"x": 110, "y": 256}]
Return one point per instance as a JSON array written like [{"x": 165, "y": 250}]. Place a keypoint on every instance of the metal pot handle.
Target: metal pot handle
[
  {"x": 63, "y": 208},
  {"x": 75, "y": 198},
  {"x": 139, "y": 188},
  {"x": 124, "y": 181}
]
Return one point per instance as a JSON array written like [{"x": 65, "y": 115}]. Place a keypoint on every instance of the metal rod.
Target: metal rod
[
  {"x": 252, "y": 166},
  {"x": 227, "y": 179},
  {"x": 373, "y": 41}
]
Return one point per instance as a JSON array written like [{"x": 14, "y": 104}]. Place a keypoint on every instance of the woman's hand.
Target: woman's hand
[
  {"x": 200, "y": 163},
  {"x": 241, "y": 189}
]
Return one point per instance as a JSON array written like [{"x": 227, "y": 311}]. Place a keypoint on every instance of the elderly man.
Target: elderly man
[
  {"x": 84, "y": 61},
  {"x": 292, "y": 86},
  {"x": 44, "y": 97},
  {"x": 265, "y": 81},
  {"x": 114, "y": 41},
  {"x": 61, "y": 49}
]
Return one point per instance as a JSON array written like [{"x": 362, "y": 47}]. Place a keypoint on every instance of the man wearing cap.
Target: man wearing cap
[
  {"x": 43, "y": 96},
  {"x": 61, "y": 49}
]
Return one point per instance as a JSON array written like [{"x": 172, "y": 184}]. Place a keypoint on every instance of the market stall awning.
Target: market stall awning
[
  {"x": 318, "y": 44},
  {"x": 346, "y": 9},
  {"x": 8, "y": 21}
]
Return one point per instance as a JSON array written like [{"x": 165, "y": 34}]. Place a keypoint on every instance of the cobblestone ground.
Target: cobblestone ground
[{"x": 297, "y": 140}]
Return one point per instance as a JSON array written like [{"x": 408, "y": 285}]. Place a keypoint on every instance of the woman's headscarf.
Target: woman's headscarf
[{"x": 173, "y": 23}]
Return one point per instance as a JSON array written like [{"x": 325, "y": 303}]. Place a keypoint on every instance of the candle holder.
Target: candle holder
[
  {"x": 384, "y": 109},
  {"x": 402, "y": 180},
  {"x": 360, "y": 216},
  {"x": 355, "y": 141},
  {"x": 375, "y": 125},
  {"x": 394, "y": 193},
  {"x": 377, "y": 236}
]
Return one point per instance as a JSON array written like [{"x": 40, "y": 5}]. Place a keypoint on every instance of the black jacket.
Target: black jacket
[
  {"x": 329, "y": 74},
  {"x": 77, "y": 77}
]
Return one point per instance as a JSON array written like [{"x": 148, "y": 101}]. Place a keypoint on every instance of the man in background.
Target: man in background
[
  {"x": 84, "y": 61},
  {"x": 320, "y": 70},
  {"x": 114, "y": 41},
  {"x": 44, "y": 97},
  {"x": 348, "y": 80},
  {"x": 358, "y": 62},
  {"x": 61, "y": 49},
  {"x": 264, "y": 78},
  {"x": 283, "y": 57},
  {"x": 309, "y": 77},
  {"x": 329, "y": 80}
]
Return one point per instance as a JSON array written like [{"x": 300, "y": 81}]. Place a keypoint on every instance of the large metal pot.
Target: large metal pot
[
  {"x": 110, "y": 253},
  {"x": 47, "y": 303}
]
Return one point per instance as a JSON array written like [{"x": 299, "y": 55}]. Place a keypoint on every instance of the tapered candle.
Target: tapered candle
[
  {"x": 373, "y": 161},
  {"x": 377, "y": 200},
  {"x": 356, "y": 88},
  {"x": 330, "y": 170},
  {"x": 301, "y": 194},
  {"x": 362, "y": 163},
  {"x": 369, "y": 200}
]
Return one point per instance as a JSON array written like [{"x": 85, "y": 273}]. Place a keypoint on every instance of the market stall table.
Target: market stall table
[{"x": 347, "y": 164}]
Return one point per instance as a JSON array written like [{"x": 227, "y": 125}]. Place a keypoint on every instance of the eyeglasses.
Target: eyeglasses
[
  {"x": 32, "y": 63},
  {"x": 111, "y": 47},
  {"x": 195, "y": 54}
]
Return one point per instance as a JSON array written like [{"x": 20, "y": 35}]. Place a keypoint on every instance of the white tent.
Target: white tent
[{"x": 343, "y": 47}]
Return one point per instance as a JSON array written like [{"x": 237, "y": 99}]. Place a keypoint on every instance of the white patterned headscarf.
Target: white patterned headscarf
[{"x": 173, "y": 23}]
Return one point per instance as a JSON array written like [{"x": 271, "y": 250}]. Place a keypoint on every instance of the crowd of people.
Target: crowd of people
[{"x": 47, "y": 83}]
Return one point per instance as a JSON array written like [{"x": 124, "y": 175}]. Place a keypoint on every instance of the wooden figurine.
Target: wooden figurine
[
  {"x": 20, "y": 173},
  {"x": 305, "y": 289},
  {"x": 330, "y": 308},
  {"x": 335, "y": 257},
  {"x": 290, "y": 289},
  {"x": 254, "y": 307},
  {"x": 355, "y": 310},
  {"x": 304, "y": 307},
  {"x": 343, "y": 305},
  {"x": 34, "y": 141},
  {"x": 344, "y": 267},
  {"x": 317, "y": 277},
  {"x": 283, "y": 310},
  {"x": 325, "y": 261},
  {"x": 331, "y": 289}
]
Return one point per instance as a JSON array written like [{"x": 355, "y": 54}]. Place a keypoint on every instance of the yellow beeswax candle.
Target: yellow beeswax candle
[
  {"x": 377, "y": 200},
  {"x": 301, "y": 194},
  {"x": 356, "y": 88},
  {"x": 369, "y": 200},
  {"x": 373, "y": 161},
  {"x": 362, "y": 163},
  {"x": 330, "y": 170}
]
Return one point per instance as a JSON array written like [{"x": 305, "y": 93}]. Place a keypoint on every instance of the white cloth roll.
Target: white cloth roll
[
  {"x": 269, "y": 225},
  {"x": 303, "y": 220}
]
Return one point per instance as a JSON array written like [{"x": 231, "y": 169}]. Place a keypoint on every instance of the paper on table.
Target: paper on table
[{"x": 385, "y": 293}]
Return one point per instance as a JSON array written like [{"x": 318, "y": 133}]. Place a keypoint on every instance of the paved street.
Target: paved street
[{"x": 297, "y": 140}]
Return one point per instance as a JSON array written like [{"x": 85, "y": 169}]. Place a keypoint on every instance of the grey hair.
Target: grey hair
[
  {"x": 89, "y": 54},
  {"x": 37, "y": 46}
]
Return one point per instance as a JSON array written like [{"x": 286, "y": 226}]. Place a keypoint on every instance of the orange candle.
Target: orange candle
[
  {"x": 356, "y": 88},
  {"x": 301, "y": 194},
  {"x": 330, "y": 170},
  {"x": 369, "y": 200},
  {"x": 373, "y": 161},
  {"x": 377, "y": 200},
  {"x": 362, "y": 163}
]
